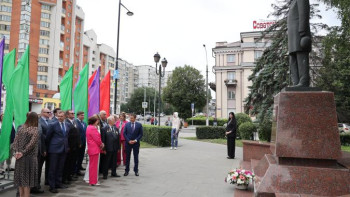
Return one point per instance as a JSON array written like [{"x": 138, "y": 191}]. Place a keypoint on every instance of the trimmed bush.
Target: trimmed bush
[
  {"x": 210, "y": 132},
  {"x": 345, "y": 139},
  {"x": 246, "y": 130},
  {"x": 155, "y": 135},
  {"x": 202, "y": 121},
  {"x": 264, "y": 130},
  {"x": 241, "y": 118}
]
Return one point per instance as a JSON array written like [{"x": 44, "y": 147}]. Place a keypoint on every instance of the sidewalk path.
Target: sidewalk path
[{"x": 195, "y": 169}]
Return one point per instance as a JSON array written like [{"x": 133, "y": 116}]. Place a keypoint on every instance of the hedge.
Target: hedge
[
  {"x": 246, "y": 130},
  {"x": 155, "y": 135},
  {"x": 202, "y": 121},
  {"x": 264, "y": 130},
  {"x": 210, "y": 132},
  {"x": 241, "y": 118},
  {"x": 345, "y": 139}
]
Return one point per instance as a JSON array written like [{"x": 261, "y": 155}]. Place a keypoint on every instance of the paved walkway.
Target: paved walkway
[{"x": 195, "y": 169}]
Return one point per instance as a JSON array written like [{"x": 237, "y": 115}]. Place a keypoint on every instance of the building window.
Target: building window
[
  {"x": 38, "y": 94},
  {"x": 43, "y": 59},
  {"x": 43, "y": 51},
  {"x": 45, "y": 15},
  {"x": 44, "y": 33},
  {"x": 24, "y": 17},
  {"x": 257, "y": 54},
  {"x": 22, "y": 45},
  {"x": 44, "y": 42},
  {"x": 6, "y": 1},
  {"x": 231, "y": 58},
  {"x": 45, "y": 24},
  {"x": 45, "y": 7},
  {"x": 231, "y": 76},
  {"x": 5, "y": 18},
  {"x": 40, "y": 86},
  {"x": 43, "y": 68},
  {"x": 24, "y": 36},
  {"x": 231, "y": 95},
  {"x": 24, "y": 27},
  {"x": 5, "y": 27},
  {"x": 5, "y": 8},
  {"x": 42, "y": 78}
]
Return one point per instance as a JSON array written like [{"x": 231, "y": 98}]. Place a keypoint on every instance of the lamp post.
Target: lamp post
[
  {"x": 161, "y": 74},
  {"x": 206, "y": 55},
  {"x": 117, "y": 55}
]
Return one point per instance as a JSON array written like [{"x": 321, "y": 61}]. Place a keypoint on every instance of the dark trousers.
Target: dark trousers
[
  {"x": 299, "y": 68},
  {"x": 135, "y": 148},
  {"x": 69, "y": 165},
  {"x": 231, "y": 146},
  {"x": 56, "y": 169},
  {"x": 80, "y": 158},
  {"x": 111, "y": 162},
  {"x": 102, "y": 162},
  {"x": 47, "y": 169},
  {"x": 41, "y": 161}
]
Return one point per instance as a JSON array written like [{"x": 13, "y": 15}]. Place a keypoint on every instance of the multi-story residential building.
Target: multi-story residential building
[
  {"x": 54, "y": 31},
  {"x": 128, "y": 75},
  {"x": 164, "y": 79},
  {"x": 233, "y": 65},
  {"x": 147, "y": 76}
]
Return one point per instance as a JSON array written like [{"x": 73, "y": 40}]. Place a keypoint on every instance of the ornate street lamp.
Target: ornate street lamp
[{"x": 161, "y": 74}]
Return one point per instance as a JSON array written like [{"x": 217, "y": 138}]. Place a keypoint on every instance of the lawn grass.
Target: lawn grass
[
  {"x": 147, "y": 145},
  {"x": 345, "y": 148},
  {"x": 215, "y": 141}
]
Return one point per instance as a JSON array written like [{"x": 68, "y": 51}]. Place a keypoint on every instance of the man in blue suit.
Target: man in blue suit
[
  {"x": 57, "y": 141},
  {"x": 132, "y": 133},
  {"x": 81, "y": 152}
]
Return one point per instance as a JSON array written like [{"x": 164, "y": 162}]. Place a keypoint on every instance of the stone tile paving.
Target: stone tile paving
[{"x": 195, "y": 169}]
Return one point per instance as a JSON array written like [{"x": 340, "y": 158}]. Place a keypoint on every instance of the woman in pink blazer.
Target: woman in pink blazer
[
  {"x": 94, "y": 147},
  {"x": 120, "y": 124}
]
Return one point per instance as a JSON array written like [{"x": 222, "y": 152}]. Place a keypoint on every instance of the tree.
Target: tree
[
  {"x": 134, "y": 104},
  {"x": 185, "y": 86},
  {"x": 271, "y": 73},
  {"x": 334, "y": 76}
]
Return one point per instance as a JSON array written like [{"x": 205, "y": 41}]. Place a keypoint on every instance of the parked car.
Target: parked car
[{"x": 344, "y": 127}]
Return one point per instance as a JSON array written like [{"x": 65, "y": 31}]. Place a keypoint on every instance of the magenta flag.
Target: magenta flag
[{"x": 94, "y": 94}]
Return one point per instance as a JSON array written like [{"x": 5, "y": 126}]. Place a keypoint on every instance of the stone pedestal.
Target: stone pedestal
[{"x": 305, "y": 150}]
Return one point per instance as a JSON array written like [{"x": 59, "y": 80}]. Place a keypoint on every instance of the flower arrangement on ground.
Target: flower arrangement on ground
[{"x": 240, "y": 177}]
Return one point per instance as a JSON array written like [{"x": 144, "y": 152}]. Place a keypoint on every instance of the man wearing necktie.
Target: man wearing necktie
[
  {"x": 132, "y": 133},
  {"x": 81, "y": 125},
  {"x": 111, "y": 141},
  {"x": 57, "y": 141}
]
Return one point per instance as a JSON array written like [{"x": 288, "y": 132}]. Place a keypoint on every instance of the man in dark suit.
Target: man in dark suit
[
  {"x": 57, "y": 141},
  {"x": 42, "y": 152},
  {"x": 74, "y": 144},
  {"x": 81, "y": 125},
  {"x": 299, "y": 42},
  {"x": 103, "y": 123},
  {"x": 133, "y": 132},
  {"x": 54, "y": 118},
  {"x": 111, "y": 141}
]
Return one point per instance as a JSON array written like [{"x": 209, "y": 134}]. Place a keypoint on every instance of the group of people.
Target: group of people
[{"x": 61, "y": 141}]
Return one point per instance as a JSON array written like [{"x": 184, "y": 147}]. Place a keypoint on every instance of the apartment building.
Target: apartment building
[{"x": 233, "y": 65}]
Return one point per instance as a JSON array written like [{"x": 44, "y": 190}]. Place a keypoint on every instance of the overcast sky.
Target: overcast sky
[{"x": 177, "y": 29}]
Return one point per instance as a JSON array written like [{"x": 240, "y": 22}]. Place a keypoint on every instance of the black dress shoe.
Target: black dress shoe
[
  {"x": 104, "y": 177},
  {"x": 230, "y": 157},
  {"x": 126, "y": 173},
  {"x": 53, "y": 190},
  {"x": 115, "y": 175},
  {"x": 137, "y": 174},
  {"x": 80, "y": 173},
  {"x": 36, "y": 191},
  {"x": 66, "y": 182},
  {"x": 61, "y": 187},
  {"x": 81, "y": 168}
]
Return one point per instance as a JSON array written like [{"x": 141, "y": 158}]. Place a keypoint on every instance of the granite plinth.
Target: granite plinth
[
  {"x": 292, "y": 179},
  {"x": 303, "y": 89},
  {"x": 255, "y": 150},
  {"x": 306, "y": 126}
]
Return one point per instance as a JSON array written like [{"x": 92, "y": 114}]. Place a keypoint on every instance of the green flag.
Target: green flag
[
  {"x": 6, "y": 127},
  {"x": 81, "y": 92},
  {"x": 19, "y": 88},
  {"x": 66, "y": 86}
]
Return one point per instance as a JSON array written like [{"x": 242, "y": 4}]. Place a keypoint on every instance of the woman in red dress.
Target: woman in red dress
[
  {"x": 94, "y": 147},
  {"x": 120, "y": 125}
]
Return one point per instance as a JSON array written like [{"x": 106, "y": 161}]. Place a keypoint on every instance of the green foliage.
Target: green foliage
[
  {"x": 264, "y": 130},
  {"x": 334, "y": 76},
  {"x": 202, "y": 121},
  {"x": 134, "y": 104},
  {"x": 271, "y": 73},
  {"x": 155, "y": 135},
  {"x": 241, "y": 118},
  {"x": 185, "y": 86},
  {"x": 246, "y": 130},
  {"x": 210, "y": 132},
  {"x": 345, "y": 139}
]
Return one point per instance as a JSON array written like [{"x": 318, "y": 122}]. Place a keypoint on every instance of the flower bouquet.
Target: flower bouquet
[{"x": 240, "y": 177}]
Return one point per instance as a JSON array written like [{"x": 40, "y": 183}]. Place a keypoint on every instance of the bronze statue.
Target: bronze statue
[{"x": 299, "y": 42}]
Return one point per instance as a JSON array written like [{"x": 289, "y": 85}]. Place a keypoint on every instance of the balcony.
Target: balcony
[
  {"x": 231, "y": 82},
  {"x": 62, "y": 29},
  {"x": 63, "y": 12},
  {"x": 61, "y": 46},
  {"x": 60, "y": 63}
]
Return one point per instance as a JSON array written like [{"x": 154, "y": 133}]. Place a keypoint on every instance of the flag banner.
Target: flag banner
[
  {"x": 66, "y": 87},
  {"x": 2, "y": 48},
  {"x": 81, "y": 92},
  {"x": 6, "y": 126},
  {"x": 105, "y": 87},
  {"x": 94, "y": 93}
]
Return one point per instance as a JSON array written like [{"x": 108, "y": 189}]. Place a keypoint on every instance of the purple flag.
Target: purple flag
[
  {"x": 94, "y": 95},
  {"x": 2, "y": 48}
]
